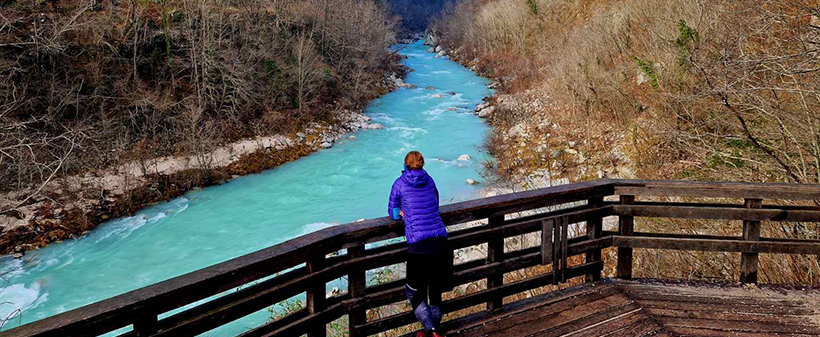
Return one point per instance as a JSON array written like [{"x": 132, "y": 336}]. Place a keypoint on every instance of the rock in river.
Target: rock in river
[{"x": 486, "y": 112}]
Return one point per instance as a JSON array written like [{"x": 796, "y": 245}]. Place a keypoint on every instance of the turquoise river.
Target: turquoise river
[{"x": 345, "y": 183}]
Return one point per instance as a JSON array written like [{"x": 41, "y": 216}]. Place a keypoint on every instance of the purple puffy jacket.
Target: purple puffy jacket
[{"x": 416, "y": 194}]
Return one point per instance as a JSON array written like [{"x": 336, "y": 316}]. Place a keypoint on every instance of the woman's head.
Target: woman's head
[{"x": 414, "y": 160}]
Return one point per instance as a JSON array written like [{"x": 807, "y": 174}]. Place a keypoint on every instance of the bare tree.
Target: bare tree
[{"x": 307, "y": 68}]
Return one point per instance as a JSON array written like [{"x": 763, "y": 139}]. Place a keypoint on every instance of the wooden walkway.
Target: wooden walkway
[{"x": 650, "y": 308}]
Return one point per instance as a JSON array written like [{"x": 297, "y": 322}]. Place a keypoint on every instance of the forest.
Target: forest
[{"x": 90, "y": 85}]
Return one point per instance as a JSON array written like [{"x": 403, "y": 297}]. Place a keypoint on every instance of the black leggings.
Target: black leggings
[{"x": 428, "y": 276}]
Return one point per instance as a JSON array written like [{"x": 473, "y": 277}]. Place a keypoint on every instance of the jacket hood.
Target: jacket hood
[{"x": 415, "y": 178}]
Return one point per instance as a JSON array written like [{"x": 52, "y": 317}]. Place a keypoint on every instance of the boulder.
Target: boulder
[
  {"x": 464, "y": 157},
  {"x": 518, "y": 130},
  {"x": 486, "y": 113},
  {"x": 482, "y": 106},
  {"x": 642, "y": 78},
  {"x": 441, "y": 54},
  {"x": 375, "y": 126},
  {"x": 436, "y": 96},
  {"x": 300, "y": 135},
  {"x": 326, "y": 145},
  {"x": 452, "y": 93},
  {"x": 352, "y": 138},
  {"x": 430, "y": 88},
  {"x": 439, "y": 49},
  {"x": 471, "y": 182},
  {"x": 431, "y": 50}
]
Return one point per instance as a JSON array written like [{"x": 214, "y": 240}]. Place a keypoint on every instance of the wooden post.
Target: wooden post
[
  {"x": 751, "y": 232},
  {"x": 495, "y": 253},
  {"x": 356, "y": 284},
  {"x": 626, "y": 227},
  {"x": 546, "y": 241},
  {"x": 594, "y": 229},
  {"x": 556, "y": 251},
  {"x": 145, "y": 325},
  {"x": 316, "y": 295}
]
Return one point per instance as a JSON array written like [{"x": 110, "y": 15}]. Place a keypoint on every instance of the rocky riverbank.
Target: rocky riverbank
[
  {"x": 69, "y": 207},
  {"x": 535, "y": 146}
]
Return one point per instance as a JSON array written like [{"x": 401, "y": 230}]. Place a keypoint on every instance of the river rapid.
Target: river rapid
[{"x": 350, "y": 181}]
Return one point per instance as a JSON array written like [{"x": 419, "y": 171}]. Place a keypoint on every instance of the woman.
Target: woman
[{"x": 414, "y": 197}]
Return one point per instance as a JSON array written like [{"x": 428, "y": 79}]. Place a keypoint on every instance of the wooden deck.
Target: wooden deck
[{"x": 651, "y": 308}]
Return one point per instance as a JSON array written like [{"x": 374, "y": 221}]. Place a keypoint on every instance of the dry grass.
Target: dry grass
[{"x": 731, "y": 94}]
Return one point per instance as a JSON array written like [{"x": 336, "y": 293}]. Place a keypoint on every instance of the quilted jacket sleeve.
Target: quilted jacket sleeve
[{"x": 395, "y": 200}]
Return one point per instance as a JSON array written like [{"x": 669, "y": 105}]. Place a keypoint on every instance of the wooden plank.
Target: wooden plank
[
  {"x": 728, "y": 302},
  {"x": 703, "y": 332},
  {"x": 751, "y": 232},
  {"x": 580, "y": 324},
  {"x": 525, "y": 317},
  {"x": 495, "y": 253},
  {"x": 524, "y": 306},
  {"x": 558, "y": 323},
  {"x": 619, "y": 323},
  {"x": 737, "y": 246},
  {"x": 594, "y": 229},
  {"x": 729, "y": 316},
  {"x": 647, "y": 327},
  {"x": 717, "y": 213},
  {"x": 745, "y": 308},
  {"x": 718, "y": 189},
  {"x": 546, "y": 241},
  {"x": 626, "y": 227},
  {"x": 706, "y": 237},
  {"x": 735, "y": 326}
]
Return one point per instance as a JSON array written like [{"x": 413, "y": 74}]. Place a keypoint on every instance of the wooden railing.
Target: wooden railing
[{"x": 303, "y": 265}]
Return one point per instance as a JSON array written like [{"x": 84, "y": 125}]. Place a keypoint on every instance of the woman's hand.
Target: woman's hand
[{"x": 401, "y": 213}]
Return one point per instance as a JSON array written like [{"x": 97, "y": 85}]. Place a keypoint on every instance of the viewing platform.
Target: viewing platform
[
  {"x": 568, "y": 224},
  {"x": 615, "y": 307}
]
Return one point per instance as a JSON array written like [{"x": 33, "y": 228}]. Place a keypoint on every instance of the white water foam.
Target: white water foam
[
  {"x": 18, "y": 297},
  {"x": 408, "y": 132}
]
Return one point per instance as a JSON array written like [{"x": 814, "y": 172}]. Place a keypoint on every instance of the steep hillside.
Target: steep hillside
[
  {"x": 714, "y": 90},
  {"x": 129, "y": 85}
]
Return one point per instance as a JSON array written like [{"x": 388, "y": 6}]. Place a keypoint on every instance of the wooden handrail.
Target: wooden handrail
[{"x": 141, "y": 306}]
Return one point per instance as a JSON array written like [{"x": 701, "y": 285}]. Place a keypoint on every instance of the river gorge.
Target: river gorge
[{"x": 347, "y": 182}]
